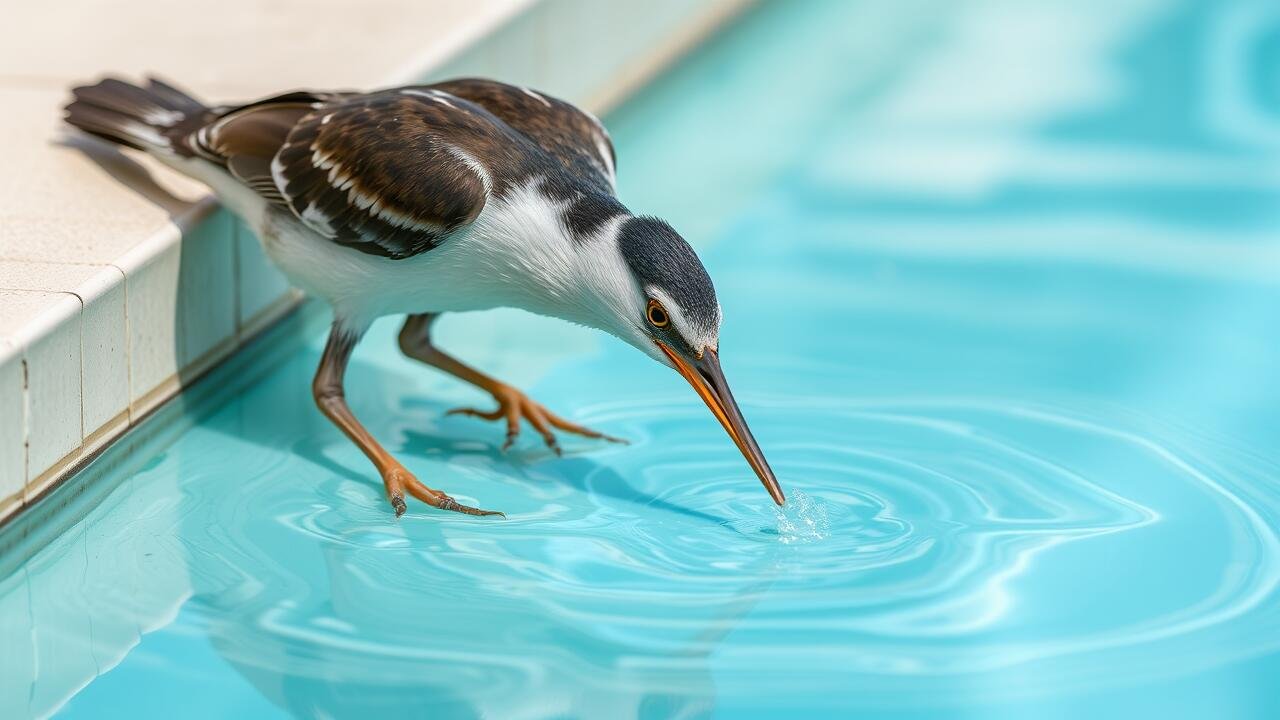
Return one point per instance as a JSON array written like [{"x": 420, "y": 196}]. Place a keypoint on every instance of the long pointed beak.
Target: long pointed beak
[{"x": 705, "y": 376}]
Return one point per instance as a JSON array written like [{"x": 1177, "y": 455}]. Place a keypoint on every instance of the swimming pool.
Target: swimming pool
[{"x": 1001, "y": 284}]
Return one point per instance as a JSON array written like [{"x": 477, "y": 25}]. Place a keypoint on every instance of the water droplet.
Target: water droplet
[{"x": 803, "y": 519}]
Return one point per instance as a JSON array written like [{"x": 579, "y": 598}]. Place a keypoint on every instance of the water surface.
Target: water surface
[{"x": 1001, "y": 285}]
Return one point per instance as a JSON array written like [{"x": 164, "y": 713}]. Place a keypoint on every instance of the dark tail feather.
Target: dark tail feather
[
  {"x": 145, "y": 118},
  {"x": 175, "y": 98}
]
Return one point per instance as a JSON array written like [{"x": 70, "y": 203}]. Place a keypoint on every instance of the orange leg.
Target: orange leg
[
  {"x": 513, "y": 405},
  {"x": 327, "y": 388}
]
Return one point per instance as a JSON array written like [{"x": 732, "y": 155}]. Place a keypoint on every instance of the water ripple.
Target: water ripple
[
  {"x": 928, "y": 520},
  {"x": 917, "y": 531}
]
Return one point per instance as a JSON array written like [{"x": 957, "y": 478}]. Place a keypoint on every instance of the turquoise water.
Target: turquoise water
[{"x": 1002, "y": 294}]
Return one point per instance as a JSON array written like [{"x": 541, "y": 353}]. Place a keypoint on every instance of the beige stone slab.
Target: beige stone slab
[
  {"x": 237, "y": 49},
  {"x": 85, "y": 203},
  {"x": 26, "y": 316},
  {"x": 104, "y": 343},
  {"x": 78, "y": 278}
]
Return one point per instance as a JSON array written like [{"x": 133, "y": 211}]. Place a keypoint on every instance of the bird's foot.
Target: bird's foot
[
  {"x": 514, "y": 405},
  {"x": 399, "y": 481}
]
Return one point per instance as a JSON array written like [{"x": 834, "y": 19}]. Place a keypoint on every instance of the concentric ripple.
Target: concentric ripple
[
  {"x": 928, "y": 543},
  {"x": 916, "y": 532}
]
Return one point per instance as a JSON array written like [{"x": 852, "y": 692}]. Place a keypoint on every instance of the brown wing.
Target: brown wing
[
  {"x": 393, "y": 172},
  {"x": 244, "y": 138},
  {"x": 390, "y": 173},
  {"x": 572, "y": 136}
]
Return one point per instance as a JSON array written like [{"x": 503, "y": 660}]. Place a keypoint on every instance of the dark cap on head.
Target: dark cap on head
[{"x": 658, "y": 256}]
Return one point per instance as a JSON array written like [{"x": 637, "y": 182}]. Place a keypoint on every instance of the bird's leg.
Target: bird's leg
[
  {"x": 327, "y": 388},
  {"x": 513, "y": 405}
]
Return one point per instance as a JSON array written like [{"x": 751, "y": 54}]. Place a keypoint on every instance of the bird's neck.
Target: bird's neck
[{"x": 553, "y": 257}]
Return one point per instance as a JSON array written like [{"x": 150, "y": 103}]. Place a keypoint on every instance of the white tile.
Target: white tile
[
  {"x": 105, "y": 372},
  {"x": 54, "y": 396},
  {"x": 13, "y": 423},
  {"x": 105, "y": 345},
  {"x": 181, "y": 300},
  {"x": 151, "y": 312},
  {"x": 206, "y": 288},
  {"x": 261, "y": 286},
  {"x": 47, "y": 328}
]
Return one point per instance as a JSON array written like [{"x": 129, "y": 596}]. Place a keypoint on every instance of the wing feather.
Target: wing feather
[
  {"x": 395, "y": 172},
  {"x": 571, "y": 135}
]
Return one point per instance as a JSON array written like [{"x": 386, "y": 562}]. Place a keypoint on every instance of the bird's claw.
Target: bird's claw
[
  {"x": 397, "y": 504},
  {"x": 515, "y": 406},
  {"x": 400, "y": 481},
  {"x": 448, "y": 503}
]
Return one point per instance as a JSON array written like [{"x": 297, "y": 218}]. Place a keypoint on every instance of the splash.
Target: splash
[{"x": 803, "y": 519}]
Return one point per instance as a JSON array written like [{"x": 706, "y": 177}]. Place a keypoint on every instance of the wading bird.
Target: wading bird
[{"x": 461, "y": 195}]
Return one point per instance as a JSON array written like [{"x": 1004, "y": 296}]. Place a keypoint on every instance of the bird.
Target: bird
[{"x": 461, "y": 195}]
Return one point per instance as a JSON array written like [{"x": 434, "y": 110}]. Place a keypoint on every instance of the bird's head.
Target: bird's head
[{"x": 653, "y": 292}]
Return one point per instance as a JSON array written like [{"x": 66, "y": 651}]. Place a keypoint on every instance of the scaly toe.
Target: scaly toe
[
  {"x": 448, "y": 503},
  {"x": 512, "y": 434},
  {"x": 551, "y": 442}
]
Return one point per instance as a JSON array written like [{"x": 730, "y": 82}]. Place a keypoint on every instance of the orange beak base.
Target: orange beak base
[{"x": 708, "y": 381}]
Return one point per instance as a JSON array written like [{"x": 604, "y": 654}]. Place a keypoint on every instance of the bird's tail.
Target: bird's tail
[{"x": 149, "y": 117}]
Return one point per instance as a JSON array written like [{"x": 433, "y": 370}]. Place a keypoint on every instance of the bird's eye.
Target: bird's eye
[{"x": 657, "y": 314}]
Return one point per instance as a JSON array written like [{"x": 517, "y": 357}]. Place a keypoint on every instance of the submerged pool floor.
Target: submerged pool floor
[{"x": 1001, "y": 284}]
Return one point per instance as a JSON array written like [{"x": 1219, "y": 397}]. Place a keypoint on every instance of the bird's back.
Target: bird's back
[{"x": 391, "y": 172}]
